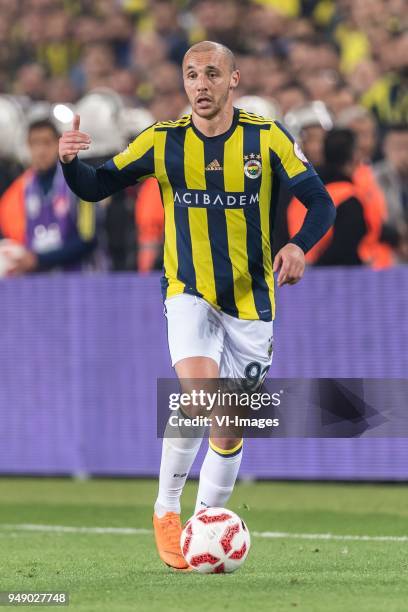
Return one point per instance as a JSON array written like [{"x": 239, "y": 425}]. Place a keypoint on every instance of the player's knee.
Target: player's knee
[{"x": 197, "y": 368}]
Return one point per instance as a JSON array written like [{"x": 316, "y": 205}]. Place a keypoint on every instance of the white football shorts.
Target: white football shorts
[{"x": 241, "y": 348}]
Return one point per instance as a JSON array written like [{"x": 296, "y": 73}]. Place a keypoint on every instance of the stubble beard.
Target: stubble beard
[{"x": 216, "y": 110}]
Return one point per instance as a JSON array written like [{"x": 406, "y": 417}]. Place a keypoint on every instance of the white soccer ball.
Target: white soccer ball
[{"x": 215, "y": 541}]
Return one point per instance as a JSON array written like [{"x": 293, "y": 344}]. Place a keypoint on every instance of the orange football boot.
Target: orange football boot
[{"x": 167, "y": 532}]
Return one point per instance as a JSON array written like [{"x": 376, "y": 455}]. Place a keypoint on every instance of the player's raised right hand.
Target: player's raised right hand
[{"x": 72, "y": 142}]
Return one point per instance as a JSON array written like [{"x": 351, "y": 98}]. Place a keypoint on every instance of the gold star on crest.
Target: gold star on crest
[
  {"x": 252, "y": 155},
  {"x": 258, "y": 156},
  {"x": 246, "y": 157}
]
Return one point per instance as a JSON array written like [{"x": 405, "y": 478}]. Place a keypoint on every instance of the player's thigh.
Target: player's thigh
[
  {"x": 194, "y": 330},
  {"x": 247, "y": 349}
]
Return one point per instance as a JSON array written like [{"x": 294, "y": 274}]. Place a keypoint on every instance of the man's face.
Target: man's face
[
  {"x": 396, "y": 151},
  {"x": 365, "y": 130},
  {"x": 209, "y": 81},
  {"x": 290, "y": 98},
  {"x": 43, "y": 145},
  {"x": 312, "y": 139}
]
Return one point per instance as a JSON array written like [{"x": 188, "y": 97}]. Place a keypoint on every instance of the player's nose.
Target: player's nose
[{"x": 202, "y": 84}]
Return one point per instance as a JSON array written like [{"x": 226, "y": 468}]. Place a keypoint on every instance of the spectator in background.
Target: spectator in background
[
  {"x": 312, "y": 139},
  {"x": 164, "y": 107},
  {"x": 119, "y": 30},
  {"x": 61, "y": 89},
  {"x": 96, "y": 66},
  {"x": 363, "y": 77},
  {"x": 340, "y": 246},
  {"x": 149, "y": 219},
  {"x": 100, "y": 112},
  {"x": 58, "y": 51},
  {"x": 168, "y": 99},
  {"x": 166, "y": 78},
  {"x": 363, "y": 124},
  {"x": 291, "y": 96},
  {"x": 29, "y": 36},
  {"x": 220, "y": 20},
  {"x": 265, "y": 28},
  {"x": 311, "y": 123},
  {"x": 251, "y": 74},
  {"x": 148, "y": 52},
  {"x": 166, "y": 23},
  {"x": 125, "y": 82},
  {"x": 39, "y": 211},
  {"x": 392, "y": 175},
  {"x": 31, "y": 82},
  {"x": 336, "y": 50},
  {"x": 272, "y": 76},
  {"x": 340, "y": 98},
  {"x": 88, "y": 29},
  {"x": 6, "y": 50},
  {"x": 379, "y": 253},
  {"x": 388, "y": 97}
]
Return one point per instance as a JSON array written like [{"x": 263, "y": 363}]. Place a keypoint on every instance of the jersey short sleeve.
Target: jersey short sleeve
[{"x": 287, "y": 158}]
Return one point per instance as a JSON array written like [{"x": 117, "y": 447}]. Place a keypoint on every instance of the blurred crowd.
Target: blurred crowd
[{"x": 334, "y": 72}]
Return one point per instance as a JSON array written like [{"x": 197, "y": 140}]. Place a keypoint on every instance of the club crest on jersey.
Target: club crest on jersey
[{"x": 252, "y": 166}]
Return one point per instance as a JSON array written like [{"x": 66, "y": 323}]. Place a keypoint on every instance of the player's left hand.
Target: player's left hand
[
  {"x": 290, "y": 262},
  {"x": 24, "y": 264}
]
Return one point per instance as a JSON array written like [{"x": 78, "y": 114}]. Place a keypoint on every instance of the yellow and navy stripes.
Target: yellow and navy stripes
[
  {"x": 388, "y": 100},
  {"x": 86, "y": 220},
  {"x": 219, "y": 196}
]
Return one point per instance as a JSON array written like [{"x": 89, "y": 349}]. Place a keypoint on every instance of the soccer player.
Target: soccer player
[{"x": 219, "y": 171}]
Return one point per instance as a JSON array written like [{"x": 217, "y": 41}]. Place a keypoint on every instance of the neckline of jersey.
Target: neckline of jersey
[{"x": 219, "y": 137}]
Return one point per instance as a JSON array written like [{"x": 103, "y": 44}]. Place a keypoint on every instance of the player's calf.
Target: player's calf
[{"x": 219, "y": 472}]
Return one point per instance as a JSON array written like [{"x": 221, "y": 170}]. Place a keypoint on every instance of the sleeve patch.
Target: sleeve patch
[{"x": 299, "y": 153}]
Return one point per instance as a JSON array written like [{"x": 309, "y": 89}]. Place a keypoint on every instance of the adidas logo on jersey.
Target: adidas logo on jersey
[{"x": 214, "y": 165}]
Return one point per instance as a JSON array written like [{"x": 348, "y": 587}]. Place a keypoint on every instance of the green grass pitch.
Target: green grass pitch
[{"x": 114, "y": 572}]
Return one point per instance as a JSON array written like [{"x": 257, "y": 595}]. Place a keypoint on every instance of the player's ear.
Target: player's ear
[{"x": 235, "y": 76}]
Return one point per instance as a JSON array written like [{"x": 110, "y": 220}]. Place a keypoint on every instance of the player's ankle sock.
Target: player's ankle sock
[
  {"x": 218, "y": 475},
  {"x": 178, "y": 455}
]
